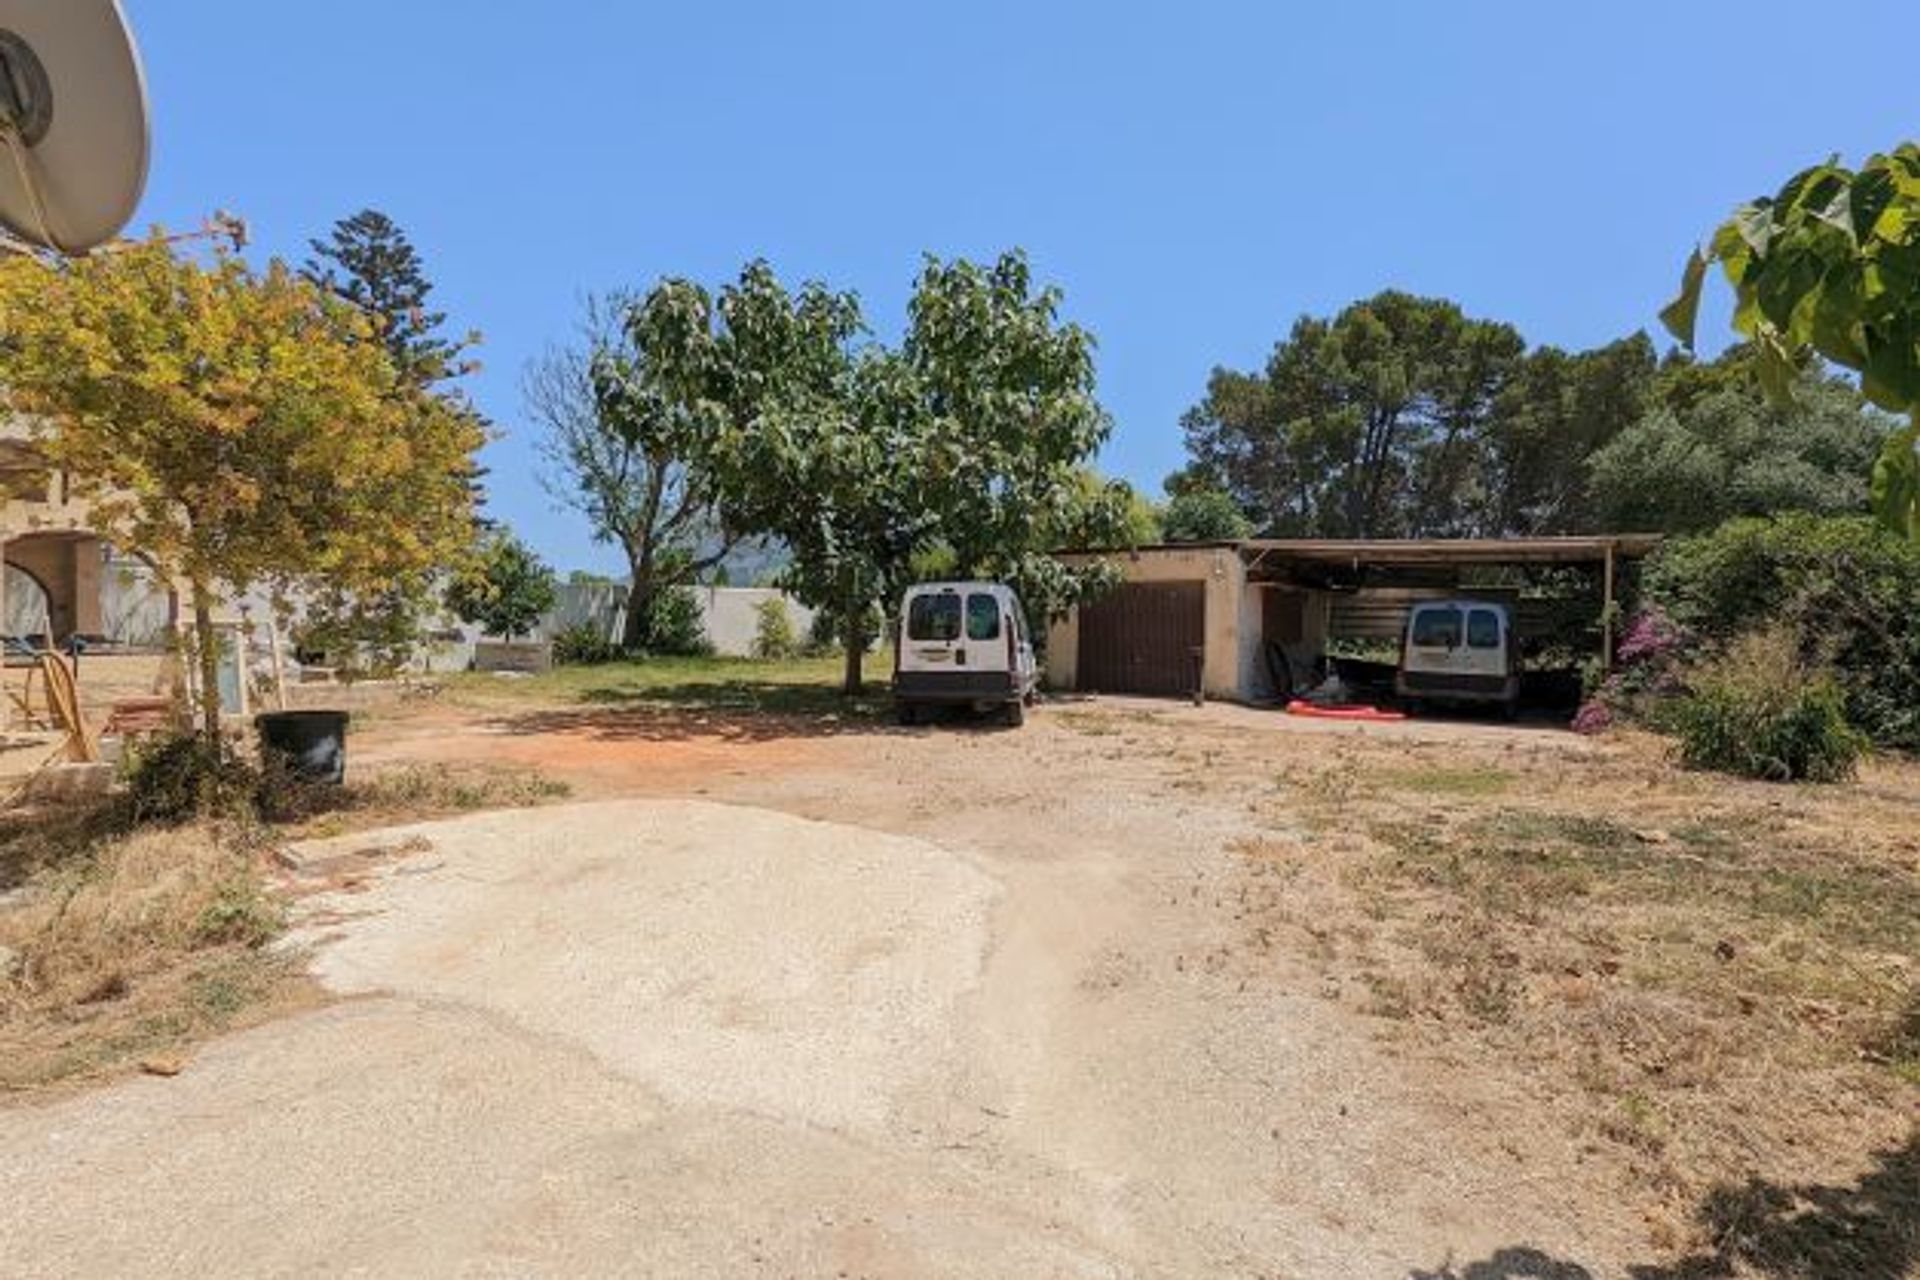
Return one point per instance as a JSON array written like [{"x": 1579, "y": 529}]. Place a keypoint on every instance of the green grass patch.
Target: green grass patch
[
  {"x": 802, "y": 687},
  {"x": 1459, "y": 780}
]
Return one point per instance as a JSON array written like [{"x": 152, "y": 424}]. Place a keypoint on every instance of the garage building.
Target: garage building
[{"x": 1225, "y": 617}]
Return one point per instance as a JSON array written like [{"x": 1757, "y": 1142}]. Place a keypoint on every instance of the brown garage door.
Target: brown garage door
[{"x": 1140, "y": 638}]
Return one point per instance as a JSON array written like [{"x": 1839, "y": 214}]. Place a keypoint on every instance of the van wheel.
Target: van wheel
[
  {"x": 1015, "y": 713},
  {"x": 906, "y": 713}
]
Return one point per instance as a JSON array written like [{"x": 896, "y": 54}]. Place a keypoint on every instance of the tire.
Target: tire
[
  {"x": 1014, "y": 714},
  {"x": 906, "y": 713}
]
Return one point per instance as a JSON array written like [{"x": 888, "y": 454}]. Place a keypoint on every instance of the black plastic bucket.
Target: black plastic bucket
[{"x": 312, "y": 743}]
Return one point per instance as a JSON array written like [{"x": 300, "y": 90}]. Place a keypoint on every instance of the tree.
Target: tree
[
  {"x": 627, "y": 445},
  {"x": 1003, "y": 393},
  {"x": 1830, "y": 265},
  {"x": 1559, "y": 408},
  {"x": 969, "y": 441},
  {"x": 235, "y": 428},
  {"x": 506, "y": 589},
  {"x": 822, "y": 448},
  {"x": 368, "y": 262},
  {"x": 1734, "y": 452},
  {"x": 1204, "y": 515},
  {"x": 1368, "y": 425}
]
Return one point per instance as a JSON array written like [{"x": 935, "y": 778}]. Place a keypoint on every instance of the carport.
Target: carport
[{"x": 1227, "y": 616}]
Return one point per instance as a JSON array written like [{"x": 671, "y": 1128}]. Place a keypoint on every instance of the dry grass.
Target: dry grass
[
  {"x": 412, "y": 793},
  {"x": 1717, "y": 982},
  {"x": 1712, "y": 986},
  {"x": 123, "y": 948},
  {"x": 136, "y": 949}
]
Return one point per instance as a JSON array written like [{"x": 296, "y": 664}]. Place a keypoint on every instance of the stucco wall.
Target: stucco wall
[
  {"x": 1303, "y": 651},
  {"x": 68, "y": 569},
  {"x": 1225, "y": 577}
]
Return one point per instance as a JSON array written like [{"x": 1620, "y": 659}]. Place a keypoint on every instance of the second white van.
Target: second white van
[{"x": 963, "y": 644}]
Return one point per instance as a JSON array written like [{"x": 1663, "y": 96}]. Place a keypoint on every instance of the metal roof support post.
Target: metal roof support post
[{"x": 1606, "y": 614}]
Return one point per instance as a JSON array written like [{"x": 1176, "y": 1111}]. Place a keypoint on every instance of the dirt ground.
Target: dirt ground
[{"x": 1141, "y": 989}]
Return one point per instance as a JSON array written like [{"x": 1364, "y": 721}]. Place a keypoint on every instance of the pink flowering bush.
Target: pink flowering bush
[{"x": 1648, "y": 664}]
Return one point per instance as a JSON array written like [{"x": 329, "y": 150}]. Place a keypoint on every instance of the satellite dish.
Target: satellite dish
[{"x": 73, "y": 122}]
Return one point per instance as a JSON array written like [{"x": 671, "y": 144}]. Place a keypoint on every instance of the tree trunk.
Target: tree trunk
[
  {"x": 207, "y": 643},
  {"x": 637, "y": 631},
  {"x": 854, "y": 632},
  {"x": 854, "y": 684}
]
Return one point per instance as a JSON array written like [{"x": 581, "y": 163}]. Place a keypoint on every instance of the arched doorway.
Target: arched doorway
[{"x": 29, "y": 605}]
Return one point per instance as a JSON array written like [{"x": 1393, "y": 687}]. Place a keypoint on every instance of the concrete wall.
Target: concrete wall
[
  {"x": 729, "y": 614},
  {"x": 733, "y": 618},
  {"x": 1224, "y": 672},
  {"x": 1303, "y": 650}
]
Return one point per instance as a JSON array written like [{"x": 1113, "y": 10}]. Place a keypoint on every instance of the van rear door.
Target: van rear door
[
  {"x": 1434, "y": 638},
  {"x": 932, "y": 632},
  {"x": 983, "y": 644},
  {"x": 1485, "y": 653}
]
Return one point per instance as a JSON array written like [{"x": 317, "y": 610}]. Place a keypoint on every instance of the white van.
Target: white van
[
  {"x": 1460, "y": 651},
  {"x": 963, "y": 644}
]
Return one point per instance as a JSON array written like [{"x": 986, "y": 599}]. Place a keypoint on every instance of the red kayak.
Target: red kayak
[{"x": 1371, "y": 714}]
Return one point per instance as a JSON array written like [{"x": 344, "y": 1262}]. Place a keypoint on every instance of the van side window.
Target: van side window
[
  {"x": 983, "y": 618},
  {"x": 1437, "y": 628},
  {"x": 1483, "y": 629},
  {"x": 934, "y": 618}
]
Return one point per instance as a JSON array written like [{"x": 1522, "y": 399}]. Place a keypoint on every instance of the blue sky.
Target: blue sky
[{"x": 1194, "y": 176}]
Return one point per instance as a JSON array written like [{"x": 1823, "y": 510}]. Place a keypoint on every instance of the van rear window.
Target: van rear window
[
  {"x": 934, "y": 618},
  {"x": 1483, "y": 629},
  {"x": 983, "y": 618},
  {"x": 1437, "y": 628}
]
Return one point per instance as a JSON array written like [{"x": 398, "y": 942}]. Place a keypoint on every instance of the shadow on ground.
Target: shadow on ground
[
  {"x": 1865, "y": 1230},
  {"x": 1509, "y": 1264}
]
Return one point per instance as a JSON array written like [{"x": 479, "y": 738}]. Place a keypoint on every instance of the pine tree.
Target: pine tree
[{"x": 368, "y": 261}]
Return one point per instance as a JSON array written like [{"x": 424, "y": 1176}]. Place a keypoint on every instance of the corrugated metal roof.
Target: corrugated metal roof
[{"x": 1571, "y": 549}]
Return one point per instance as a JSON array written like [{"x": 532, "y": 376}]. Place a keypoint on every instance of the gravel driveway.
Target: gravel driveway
[{"x": 914, "y": 1004}]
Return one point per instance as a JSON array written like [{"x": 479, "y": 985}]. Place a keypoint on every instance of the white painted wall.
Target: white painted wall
[{"x": 729, "y": 614}]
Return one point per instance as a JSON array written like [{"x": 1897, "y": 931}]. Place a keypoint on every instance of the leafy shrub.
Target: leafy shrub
[
  {"x": 677, "y": 627},
  {"x": 1849, "y": 589},
  {"x": 1759, "y": 711},
  {"x": 773, "y": 635},
  {"x": 1647, "y": 669},
  {"x": 176, "y": 779},
  {"x": 584, "y": 644}
]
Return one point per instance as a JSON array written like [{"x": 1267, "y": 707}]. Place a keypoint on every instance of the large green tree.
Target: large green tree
[
  {"x": 626, "y": 435},
  {"x": 1695, "y": 460},
  {"x": 1557, "y": 410},
  {"x": 1366, "y": 425},
  {"x": 1203, "y": 515},
  {"x": 822, "y": 447},
  {"x": 1830, "y": 266},
  {"x": 1001, "y": 392},
  {"x": 967, "y": 443}
]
